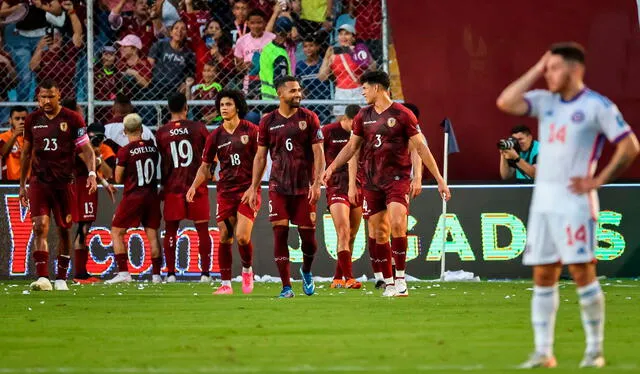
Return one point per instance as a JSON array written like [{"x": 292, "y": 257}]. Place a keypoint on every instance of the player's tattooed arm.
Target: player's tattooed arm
[
  {"x": 25, "y": 167},
  {"x": 204, "y": 173},
  {"x": 511, "y": 100},
  {"x": 349, "y": 150},
  {"x": 626, "y": 152},
  {"x": 417, "y": 142}
]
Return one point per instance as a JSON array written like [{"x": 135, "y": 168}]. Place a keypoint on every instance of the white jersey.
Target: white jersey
[{"x": 571, "y": 135}]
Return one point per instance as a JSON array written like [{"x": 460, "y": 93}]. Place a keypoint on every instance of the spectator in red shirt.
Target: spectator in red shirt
[
  {"x": 105, "y": 80},
  {"x": 214, "y": 44},
  {"x": 196, "y": 16},
  {"x": 134, "y": 71},
  {"x": 142, "y": 22},
  {"x": 55, "y": 58}
]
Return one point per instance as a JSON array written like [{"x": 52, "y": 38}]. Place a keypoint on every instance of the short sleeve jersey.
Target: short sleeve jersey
[
  {"x": 385, "y": 149},
  {"x": 181, "y": 144},
  {"x": 235, "y": 152},
  {"x": 290, "y": 142},
  {"x": 335, "y": 138},
  {"x": 53, "y": 143}
]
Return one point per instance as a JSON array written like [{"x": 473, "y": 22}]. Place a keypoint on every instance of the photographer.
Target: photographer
[{"x": 518, "y": 155}]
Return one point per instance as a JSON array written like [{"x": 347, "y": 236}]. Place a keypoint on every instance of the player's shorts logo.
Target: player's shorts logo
[
  {"x": 63, "y": 126},
  {"x": 312, "y": 215},
  {"x": 391, "y": 122},
  {"x": 577, "y": 116},
  {"x": 244, "y": 139},
  {"x": 302, "y": 125},
  {"x": 68, "y": 218}
]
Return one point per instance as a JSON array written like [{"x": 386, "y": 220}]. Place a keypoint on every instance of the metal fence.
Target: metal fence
[{"x": 144, "y": 50}]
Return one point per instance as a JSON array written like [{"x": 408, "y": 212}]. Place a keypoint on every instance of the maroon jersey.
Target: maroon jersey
[
  {"x": 235, "y": 154},
  {"x": 53, "y": 143},
  {"x": 335, "y": 138},
  {"x": 140, "y": 161},
  {"x": 385, "y": 150},
  {"x": 181, "y": 144},
  {"x": 290, "y": 141}
]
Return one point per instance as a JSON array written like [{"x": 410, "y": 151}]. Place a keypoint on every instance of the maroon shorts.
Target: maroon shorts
[
  {"x": 47, "y": 198},
  {"x": 138, "y": 208},
  {"x": 229, "y": 206},
  {"x": 377, "y": 201},
  {"x": 84, "y": 205},
  {"x": 337, "y": 197},
  {"x": 177, "y": 208},
  {"x": 295, "y": 208}
]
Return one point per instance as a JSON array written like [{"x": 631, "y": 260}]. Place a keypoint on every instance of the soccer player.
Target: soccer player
[
  {"x": 51, "y": 135},
  {"x": 573, "y": 122},
  {"x": 234, "y": 144},
  {"x": 384, "y": 130},
  {"x": 293, "y": 138},
  {"x": 140, "y": 204},
  {"x": 181, "y": 143},
  {"x": 344, "y": 197}
]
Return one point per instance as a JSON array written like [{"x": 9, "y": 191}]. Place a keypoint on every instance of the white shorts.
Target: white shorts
[
  {"x": 346, "y": 94},
  {"x": 560, "y": 238}
]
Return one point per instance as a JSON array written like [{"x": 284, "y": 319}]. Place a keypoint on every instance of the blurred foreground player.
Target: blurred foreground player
[
  {"x": 181, "y": 143},
  {"x": 51, "y": 135},
  {"x": 293, "y": 138},
  {"x": 344, "y": 197},
  {"x": 573, "y": 122},
  {"x": 140, "y": 204},
  {"x": 234, "y": 144},
  {"x": 384, "y": 130}
]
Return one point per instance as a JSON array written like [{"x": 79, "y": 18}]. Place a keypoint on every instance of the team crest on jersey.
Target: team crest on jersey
[
  {"x": 577, "y": 116},
  {"x": 63, "y": 126},
  {"x": 391, "y": 122},
  {"x": 244, "y": 139},
  {"x": 302, "y": 125}
]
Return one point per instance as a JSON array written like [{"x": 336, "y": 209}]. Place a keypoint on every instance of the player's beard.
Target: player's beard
[
  {"x": 563, "y": 83},
  {"x": 294, "y": 103}
]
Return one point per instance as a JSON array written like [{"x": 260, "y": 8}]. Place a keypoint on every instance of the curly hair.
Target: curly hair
[{"x": 238, "y": 99}]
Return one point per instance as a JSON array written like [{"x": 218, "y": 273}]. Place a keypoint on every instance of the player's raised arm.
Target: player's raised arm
[
  {"x": 418, "y": 143},
  {"x": 349, "y": 150},
  {"x": 512, "y": 100}
]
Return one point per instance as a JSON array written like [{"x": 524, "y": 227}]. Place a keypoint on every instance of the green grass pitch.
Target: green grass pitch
[{"x": 181, "y": 328}]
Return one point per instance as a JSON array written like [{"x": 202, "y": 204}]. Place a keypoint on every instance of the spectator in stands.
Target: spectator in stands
[
  {"x": 195, "y": 15},
  {"x": 346, "y": 62},
  {"x": 207, "y": 89},
  {"x": 24, "y": 36},
  {"x": 240, "y": 12},
  {"x": 219, "y": 47},
  {"x": 143, "y": 23},
  {"x": 114, "y": 131},
  {"x": 11, "y": 144},
  {"x": 8, "y": 76},
  {"x": 368, "y": 16},
  {"x": 134, "y": 72},
  {"x": 520, "y": 161},
  {"x": 265, "y": 6},
  {"x": 274, "y": 59},
  {"x": 56, "y": 57},
  {"x": 172, "y": 63},
  {"x": 105, "y": 156},
  {"x": 316, "y": 15},
  {"x": 292, "y": 36},
  {"x": 105, "y": 80},
  {"x": 307, "y": 71},
  {"x": 247, "y": 53}
]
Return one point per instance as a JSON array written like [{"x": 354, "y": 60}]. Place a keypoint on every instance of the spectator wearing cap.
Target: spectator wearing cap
[
  {"x": 105, "y": 80},
  {"x": 207, "y": 89},
  {"x": 11, "y": 143},
  {"x": 134, "y": 72},
  {"x": 346, "y": 63},
  {"x": 55, "y": 58},
  {"x": 145, "y": 24},
  {"x": 24, "y": 36},
  {"x": 173, "y": 62},
  {"x": 288, "y": 24},
  {"x": 114, "y": 131},
  {"x": 274, "y": 59},
  {"x": 247, "y": 53},
  {"x": 307, "y": 72}
]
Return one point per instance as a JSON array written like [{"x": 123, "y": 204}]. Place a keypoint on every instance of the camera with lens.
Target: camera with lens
[{"x": 509, "y": 143}]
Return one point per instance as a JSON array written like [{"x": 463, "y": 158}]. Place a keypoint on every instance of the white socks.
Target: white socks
[
  {"x": 226, "y": 283},
  {"x": 378, "y": 276},
  {"x": 544, "y": 306},
  {"x": 247, "y": 270},
  {"x": 592, "y": 312},
  {"x": 399, "y": 273}
]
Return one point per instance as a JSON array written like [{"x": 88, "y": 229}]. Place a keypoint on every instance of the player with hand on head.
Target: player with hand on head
[
  {"x": 181, "y": 143},
  {"x": 137, "y": 170},
  {"x": 234, "y": 144},
  {"x": 293, "y": 138},
  {"x": 383, "y": 132},
  {"x": 51, "y": 135},
  {"x": 573, "y": 123},
  {"x": 344, "y": 196}
]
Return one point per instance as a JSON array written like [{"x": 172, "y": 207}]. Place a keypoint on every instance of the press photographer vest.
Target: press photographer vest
[{"x": 528, "y": 156}]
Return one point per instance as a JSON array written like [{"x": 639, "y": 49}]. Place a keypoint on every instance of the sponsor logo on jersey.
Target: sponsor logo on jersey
[
  {"x": 369, "y": 122},
  {"x": 549, "y": 113},
  {"x": 302, "y": 125},
  {"x": 276, "y": 127},
  {"x": 63, "y": 126},
  {"x": 391, "y": 122},
  {"x": 224, "y": 144},
  {"x": 244, "y": 139},
  {"x": 577, "y": 116}
]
